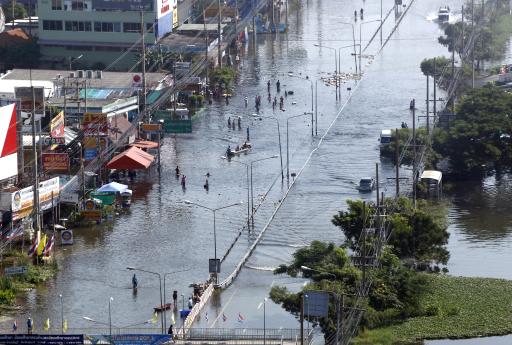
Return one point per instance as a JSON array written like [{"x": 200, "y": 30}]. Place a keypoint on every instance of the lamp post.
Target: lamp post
[
  {"x": 335, "y": 65},
  {"x": 353, "y": 40},
  {"x": 287, "y": 144},
  {"x": 252, "y": 191},
  {"x": 360, "y": 39},
  {"x": 214, "y": 229},
  {"x": 248, "y": 191},
  {"x": 339, "y": 54},
  {"x": 110, "y": 318},
  {"x": 312, "y": 104},
  {"x": 160, "y": 280},
  {"x": 279, "y": 136},
  {"x": 72, "y": 59},
  {"x": 264, "y": 320},
  {"x": 163, "y": 311},
  {"x": 82, "y": 172},
  {"x": 61, "y": 315}
]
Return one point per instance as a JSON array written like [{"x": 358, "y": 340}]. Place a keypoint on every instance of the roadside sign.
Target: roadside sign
[
  {"x": 214, "y": 265},
  {"x": 66, "y": 237},
  {"x": 151, "y": 127},
  {"x": 10, "y": 271},
  {"x": 41, "y": 339},
  {"x": 316, "y": 303}
]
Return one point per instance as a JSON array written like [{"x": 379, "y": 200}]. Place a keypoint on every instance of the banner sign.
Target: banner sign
[
  {"x": 57, "y": 129},
  {"x": 95, "y": 124},
  {"x": 24, "y": 198},
  {"x": 131, "y": 339},
  {"x": 24, "y": 94},
  {"x": 10, "y": 271},
  {"x": 125, "y": 5},
  {"x": 316, "y": 303},
  {"x": 90, "y": 154},
  {"x": 151, "y": 127},
  {"x": 41, "y": 339},
  {"x": 55, "y": 162}
]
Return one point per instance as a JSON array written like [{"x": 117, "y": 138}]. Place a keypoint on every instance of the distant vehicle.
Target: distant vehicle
[
  {"x": 505, "y": 75},
  {"x": 366, "y": 184},
  {"x": 385, "y": 136},
  {"x": 443, "y": 15}
]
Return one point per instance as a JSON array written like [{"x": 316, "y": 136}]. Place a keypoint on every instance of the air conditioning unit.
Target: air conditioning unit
[
  {"x": 99, "y": 74},
  {"x": 89, "y": 74},
  {"x": 72, "y": 74},
  {"x": 80, "y": 73}
]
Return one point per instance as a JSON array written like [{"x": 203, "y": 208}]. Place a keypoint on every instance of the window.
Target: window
[
  {"x": 107, "y": 27},
  {"x": 149, "y": 27},
  {"x": 78, "y": 5},
  {"x": 131, "y": 27},
  {"x": 56, "y": 5},
  {"x": 52, "y": 25},
  {"x": 77, "y": 26}
]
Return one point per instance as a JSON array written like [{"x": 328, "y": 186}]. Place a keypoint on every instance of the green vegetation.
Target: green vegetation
[
  {"x": 480, "y": 137},
  {"x": 11, "y": 286},
  {"x": 462, "y": 308},
  {"x": 224, "y": 77},
  {"x": 415, "y": 233},
  {"x": 14, "y": 10},
  {"x": 435, "y": 66}
]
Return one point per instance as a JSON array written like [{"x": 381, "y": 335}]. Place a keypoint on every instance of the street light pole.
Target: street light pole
[
  {"x": 110, "y": 319},
  {"x": 248, "y": 192},
  {"x": 360, "y": 39},
  {"x": 160, "y": 281},
  {"x": 335, "y": 65},
  {"x": 214, "y": 229},
  {"x": 354, "y": 43},
  {"x": 287, "y": 143},
  {"x": 61, "y": 315},
  {"x": 279, "y": 138},
  {"x": 252, "y": 191},
  {"x": 163, "y": 310},
  {"x": 312, "y": 104},
  {"x": 264, "y": 320}
]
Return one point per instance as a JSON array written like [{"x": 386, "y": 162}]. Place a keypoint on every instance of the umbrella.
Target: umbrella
[{"x": 113, "y": 187}]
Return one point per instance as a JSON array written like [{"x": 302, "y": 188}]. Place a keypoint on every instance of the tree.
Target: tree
[
  {"x": 481, "y": 135},
  {"x": 14, "y": 8},
  {"x": 435, "y": 66},
  {"x": 415, "y": 234},
  {"x": 20, "y": 55}
]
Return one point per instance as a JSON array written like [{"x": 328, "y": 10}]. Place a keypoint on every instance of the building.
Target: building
[{"x": 95, "y": 33}]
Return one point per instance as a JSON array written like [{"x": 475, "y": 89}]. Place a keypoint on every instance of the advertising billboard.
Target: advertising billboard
[
  {"x": 57, "y": 129},
  {"x": 29, "y": 99},
  {"x": 95, "y": 124},
  {"x": 23, "y": 199},
  {"x": 165, "y": 10},
  {"x": 55, "y": 162},
  {"x": 8, "y": 142},
  {"x": 122, "y": 5}
]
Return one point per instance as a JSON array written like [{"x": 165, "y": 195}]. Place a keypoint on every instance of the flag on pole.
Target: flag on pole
[
  {"x": 41, "y": 245},
  {"x": 65, "y": 326},
  {"x": 241, "y": 318},
  {"x": 14, "y": 326},
  {"x": 154, "y": 319},
  {"x": 224, "y": 317},
  {"x": 49, "y": 246},
  {"x": 33, "y": 248},
  {"x": 47, "y": 324}
]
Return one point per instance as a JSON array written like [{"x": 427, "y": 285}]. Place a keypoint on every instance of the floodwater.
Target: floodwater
[{"x": 162, "y": 233}]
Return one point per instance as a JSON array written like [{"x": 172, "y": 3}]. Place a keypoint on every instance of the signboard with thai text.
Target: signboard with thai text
[
  {"x": 41, "y": 339},
  {"x": 14, "y": 270},
  {"x": 57, "y": 129},
  {"x": 122, "y": 5},
  {"x": 55, "y": 162},
  {"x": 95, "y": 124}
]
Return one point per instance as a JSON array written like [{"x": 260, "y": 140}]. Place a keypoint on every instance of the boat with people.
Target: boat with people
[
  {"x": 244, "y": 148},
  {"x": 160, "y": 308},
  {"x": 443, "y": 15}
]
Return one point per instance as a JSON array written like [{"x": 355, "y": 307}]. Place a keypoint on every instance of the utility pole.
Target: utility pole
[
  {"x": 377, "y": 181},
  {"x": 397, "y": 177},
  {"x": 414, "y": 173},
  {"x": 206, "y": 47},
  {"x": 35, "y": 164},
  {"x": 220, "y": 35},
  {"x": 435, "y": 87},
  {"x": 428, "y": 107},
  {"x": 301, "y": 319},
  {"x": 472, "y": 44},
  {"x": 363, "y": 250},
  {"x": 143, "y": 47}
]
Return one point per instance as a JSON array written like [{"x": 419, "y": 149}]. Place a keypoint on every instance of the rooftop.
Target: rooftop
[{"x": 108, "y": 79}]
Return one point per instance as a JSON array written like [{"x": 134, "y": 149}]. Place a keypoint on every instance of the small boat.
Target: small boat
[
  {"x": 161, "y": 308},
  {"x": 443, "y": 15},
  {"x": 366, "y": 184},
  {"x": 241, "y": 150}
]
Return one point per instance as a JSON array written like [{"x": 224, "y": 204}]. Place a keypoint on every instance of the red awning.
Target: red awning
[
  {"x": 145, "y": 144},
  {"x": 131, "y": 159}
]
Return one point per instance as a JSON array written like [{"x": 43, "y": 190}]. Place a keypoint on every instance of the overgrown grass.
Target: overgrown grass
[{"x": 464, "y": 308}]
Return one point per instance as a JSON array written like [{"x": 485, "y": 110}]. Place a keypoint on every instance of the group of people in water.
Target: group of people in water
[
  {"x": 230, "y": 152},
  {"x": 231, "y": 124},
  {"x": 184, "y": 179},
  {"x": 361, "y": 12}
]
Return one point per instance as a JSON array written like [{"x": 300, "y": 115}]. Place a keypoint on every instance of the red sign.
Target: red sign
[
  {"x": 56, "y": 162},
  {"x": 57, "y": 128},
  {"x": 95, "y": 124}
]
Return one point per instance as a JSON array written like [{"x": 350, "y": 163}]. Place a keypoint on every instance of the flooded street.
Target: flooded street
[{"x": 164, "y": 234}]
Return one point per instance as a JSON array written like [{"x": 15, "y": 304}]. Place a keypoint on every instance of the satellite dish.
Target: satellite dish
[{"x": 2, "y": 20}]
